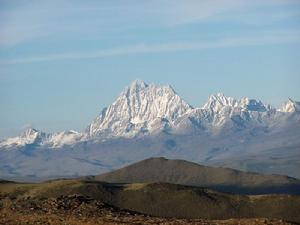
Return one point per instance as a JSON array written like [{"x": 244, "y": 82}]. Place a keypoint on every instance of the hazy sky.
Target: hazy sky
[{"x": 62, "y": 61}]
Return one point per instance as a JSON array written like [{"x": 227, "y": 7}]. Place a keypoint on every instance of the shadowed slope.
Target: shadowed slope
[
  {"x": 188, "y": 173},
  {"x": 156, "y": 199}
]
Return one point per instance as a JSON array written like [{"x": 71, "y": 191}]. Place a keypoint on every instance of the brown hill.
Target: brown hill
[
  {"x": 188, "y": 173},
  {"x": 66, "y": 197}
]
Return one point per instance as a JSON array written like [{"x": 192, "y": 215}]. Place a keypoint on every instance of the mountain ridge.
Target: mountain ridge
[{"x": 143, "y": 109}]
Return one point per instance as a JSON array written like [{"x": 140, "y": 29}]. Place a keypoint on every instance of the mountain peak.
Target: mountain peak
[
  {"x": 29, "y": 136},
  {"x": 290, "y": 106},
  {"x": 218, "y": 101},
  {"x": 30, "y": 132},
  {"x": 221, "y": 98},
  {"x": 253, "y": 105},
  {"x": 140, "y": 107},
  {"x": 137, "y": 85},
  {"x": 218, "y": 95}
]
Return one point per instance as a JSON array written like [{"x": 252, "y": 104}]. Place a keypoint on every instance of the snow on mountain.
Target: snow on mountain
[
  {"x": 253, "y": 105},
  {"x": 290, "y": 106},
  {"x": 140, "y": 108},
  {"x": 218, "y": 102},
  {"x": 33, "y": 136},
  {"x": 28, "y": 137},
  {"x": 143, "y": 109},
  {"x": 220, "y": 111},
  {"x": 65, "y": 138}
]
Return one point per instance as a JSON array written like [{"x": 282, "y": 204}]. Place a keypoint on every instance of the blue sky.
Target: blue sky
[{"x": 62, "y": 61}]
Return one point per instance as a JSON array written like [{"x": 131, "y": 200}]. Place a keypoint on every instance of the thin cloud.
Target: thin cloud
[
  {"x": 274, "y": 37},
  {"x": 40, "y": 20}
]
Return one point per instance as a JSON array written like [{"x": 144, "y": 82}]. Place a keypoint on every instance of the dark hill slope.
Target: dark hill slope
[
  {"x": 156, "y": 199},
  {"x": 188, "y": 173}
]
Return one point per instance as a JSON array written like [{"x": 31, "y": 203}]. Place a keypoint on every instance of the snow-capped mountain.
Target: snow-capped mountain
[
  {"x": 140, "y": 108},
  {"x": 65, "y": 138},
  {"x": 28, "y": 137},
  {"x": 143, "y": 109},
  {"x": 34, "y": 137},
  {"x": 152, "y": 120},
  {"x": 290, "y": 106},
  {"x": 220, "y": 110}
]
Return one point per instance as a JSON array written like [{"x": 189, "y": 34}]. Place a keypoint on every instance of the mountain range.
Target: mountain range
[{"x": 152, "y": 120}]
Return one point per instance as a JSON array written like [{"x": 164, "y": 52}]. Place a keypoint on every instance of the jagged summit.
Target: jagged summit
[
  {"x": 254, "y": 105},
  {"x": 30, "y": 132},
  {"x": 140, "y": 108},
  {"x": 134, "y": 86},
  {"x": 29, "y": 136},
  {"x": 290, "y": 106},
  {"x": 218, "y": 101},
  {"x": 34, "y": 136},
  {"x": 138, "y": 84}
]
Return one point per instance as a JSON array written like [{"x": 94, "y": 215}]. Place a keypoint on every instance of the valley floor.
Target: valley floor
[{"x": 79, "y": 210}]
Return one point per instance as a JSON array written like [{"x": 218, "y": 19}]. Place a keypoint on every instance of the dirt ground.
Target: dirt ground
[{"x": 79, "y": 210}]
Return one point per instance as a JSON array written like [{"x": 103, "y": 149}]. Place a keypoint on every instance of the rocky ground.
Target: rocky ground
[{"x": 79, "y": 210}]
